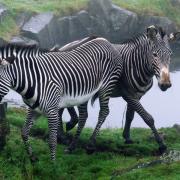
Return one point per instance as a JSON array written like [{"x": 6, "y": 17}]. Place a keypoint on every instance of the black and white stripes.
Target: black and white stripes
[
  {"x": 143, "y": 57},
  {"x": 49, "y": 81}
]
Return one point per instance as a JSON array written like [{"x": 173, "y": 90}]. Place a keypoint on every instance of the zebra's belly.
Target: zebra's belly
[{"x": 68, "y": 101}]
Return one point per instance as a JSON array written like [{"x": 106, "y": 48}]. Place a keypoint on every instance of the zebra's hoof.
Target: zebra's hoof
[
  {"x": 129, "y": 141},
  {"x": 70, "y": 125},
  {"x": 71, "y": 148},
  {"x": 63, "y": 140},
  {"x": 162, "y": 149},
  {"x": 33, "y": 159},
  {"x": 67, "y": 151},
  {"x": 90, "y": 149}
]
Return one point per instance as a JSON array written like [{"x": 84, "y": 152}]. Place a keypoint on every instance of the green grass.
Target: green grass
[
  {"x": 152, "y": 7},
  {"x": 60, "y": 7},
  {"x": 8, "y": 28},
  {"x": 113, "y": 155}
]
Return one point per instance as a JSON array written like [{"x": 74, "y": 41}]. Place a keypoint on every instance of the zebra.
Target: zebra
[
  {"x": 144, "y": 56},
  {"x": 49, "y": 81}
]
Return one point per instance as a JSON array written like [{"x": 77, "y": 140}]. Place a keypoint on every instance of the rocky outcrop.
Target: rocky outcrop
[
  {"x": 42, "y": 28},
  {"x": 101, "y": 18},
  {"x": 22, "y": 18},
  {"x": 23, "y": 40}
]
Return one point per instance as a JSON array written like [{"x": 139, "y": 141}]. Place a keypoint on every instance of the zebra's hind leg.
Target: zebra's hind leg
[
  {"x": 129, "y": 118},
  {"x": 74, "y": 119},
  {"x": 103, "y": 113},
  {"x": 61, "y": 137},
  {"x": 83, "y": 114},
  {"x": 148, "y": 119},
  {"x": 31, "y": 116}
]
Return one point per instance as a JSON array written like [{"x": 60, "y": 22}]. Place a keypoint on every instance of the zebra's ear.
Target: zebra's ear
[
  {"x": 152, "y": 32},
  {"x": 174, "y": 36},
  {"x": 3, "y": 62}
]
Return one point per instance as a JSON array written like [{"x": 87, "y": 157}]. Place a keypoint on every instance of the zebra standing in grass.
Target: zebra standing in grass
[
  {"x": 49, "y": 81},
  {"x": 144, "y": 57}
]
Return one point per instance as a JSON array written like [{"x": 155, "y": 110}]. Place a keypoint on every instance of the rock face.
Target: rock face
[
  {"x": 101, "y": 18},
  {"x": 41, "y": 28},
  {"x": 23, "y": 40}
]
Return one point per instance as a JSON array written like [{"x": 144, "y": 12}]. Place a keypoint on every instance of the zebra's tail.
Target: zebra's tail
[{"x": 94, "y": 98}]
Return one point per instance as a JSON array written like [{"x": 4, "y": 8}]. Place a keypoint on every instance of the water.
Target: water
[{"x": 163, "y": 106}]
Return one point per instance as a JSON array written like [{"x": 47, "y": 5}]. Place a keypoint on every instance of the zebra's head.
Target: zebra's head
[{"x": 160, "y": 54}]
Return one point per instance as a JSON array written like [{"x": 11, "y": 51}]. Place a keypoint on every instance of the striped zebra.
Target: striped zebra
[
  {"x": 144, "y": 56},
  {"x": 49, "y": 81}
]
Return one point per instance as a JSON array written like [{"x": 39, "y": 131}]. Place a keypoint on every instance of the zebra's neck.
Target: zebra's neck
[{"x": 137, "y": 55}]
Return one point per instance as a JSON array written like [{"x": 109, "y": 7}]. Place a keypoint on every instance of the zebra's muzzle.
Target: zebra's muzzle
[
  {"x": 164, "y": 86},
  {"x": 164, "y": 80}
]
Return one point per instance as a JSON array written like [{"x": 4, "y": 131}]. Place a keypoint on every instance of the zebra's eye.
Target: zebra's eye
[{"x": 155, "y": 54}]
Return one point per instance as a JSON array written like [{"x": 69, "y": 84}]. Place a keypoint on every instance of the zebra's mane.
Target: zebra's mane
[
  {"x": 19, "y": 46},
  {"x": 144, "y": 36},
  {"x": 75, "y": 44},
  {"x": 135, "y": 38}
]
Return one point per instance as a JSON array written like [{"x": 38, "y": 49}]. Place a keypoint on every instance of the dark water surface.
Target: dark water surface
[{"x": 163, "y": 106}]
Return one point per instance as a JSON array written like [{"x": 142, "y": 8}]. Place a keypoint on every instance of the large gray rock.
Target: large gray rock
[
  {"x": 3, "y": 12},
  {"x": 22, "y": 18},
  {"x": 99, "y": 12},
  {"x": 123, "y": 24},
  {"x": 42, "y": 28},
  {"x": 100, "y": 8},
  {"x": 63, "y": 30},
  {"x": 111, "y": 21},
  {"x": 76, "y": 29},
  {"x": 73, "y": 27},
  {"x": 102, "y": 18},
  {"x": 85, "y": 20}
]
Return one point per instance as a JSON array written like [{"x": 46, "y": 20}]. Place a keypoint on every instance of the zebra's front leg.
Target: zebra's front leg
[
  {"x": 129, "y": 118},
  {"x": 31, "y": 116},
  {"x": 103, "y": 113},
  {"x": 136, "y": 105},
  {"x": 74, "y": 119},
  {"x": 83, "y": 114},
  {"x": 53, "y": 125}
]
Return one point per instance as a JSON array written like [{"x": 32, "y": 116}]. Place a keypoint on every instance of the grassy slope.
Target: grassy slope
[
  {"x": 64, "y": 7},
  {"x": 152, "y": 7},
  {"x": 116, "y": 156},
  {"x": 59, "y": 7}
]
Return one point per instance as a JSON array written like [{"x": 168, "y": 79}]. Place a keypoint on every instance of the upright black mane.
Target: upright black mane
[{"x": 137, "y": 37}]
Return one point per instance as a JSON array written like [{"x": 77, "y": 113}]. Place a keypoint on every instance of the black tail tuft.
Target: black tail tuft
[{"x": 94, "y": 98}]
